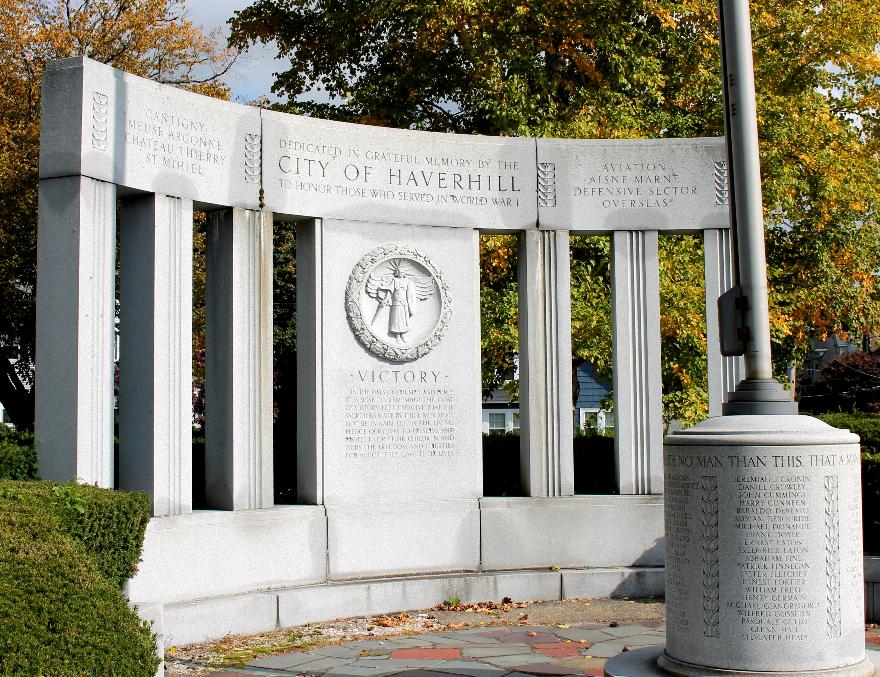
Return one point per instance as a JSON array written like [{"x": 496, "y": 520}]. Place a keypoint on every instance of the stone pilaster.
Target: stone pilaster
[
  {"x": 638, "y": 405},
  {"x": 724, "y": 372},
  {"x": 155, "y": 353},
  {"x": 75, "y": 335},
  {"x": 546, "y": 406},
  {"x": 238, "y": 364}
]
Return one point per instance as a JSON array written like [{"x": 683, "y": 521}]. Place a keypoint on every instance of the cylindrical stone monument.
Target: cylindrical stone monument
[{"x": 764, "y": 548}]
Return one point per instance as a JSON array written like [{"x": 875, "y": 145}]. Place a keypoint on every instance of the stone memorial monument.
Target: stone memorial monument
[{"x": 388, "y": 451}]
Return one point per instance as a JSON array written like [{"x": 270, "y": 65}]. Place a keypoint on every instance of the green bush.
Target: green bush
[
  {"x": 867, "y": 427},
  {"x": 59, "y": 615},
  {"x": 594, "y": 469},
  {"x": 18, "y": 456},
  {"x": 501, "y": 465},
  {"x": 109, "y": 525}
]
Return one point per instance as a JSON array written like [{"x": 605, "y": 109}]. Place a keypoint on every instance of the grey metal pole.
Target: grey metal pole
[{"x": 759, "y": 393}]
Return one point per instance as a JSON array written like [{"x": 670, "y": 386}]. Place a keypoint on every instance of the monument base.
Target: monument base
[{"x": 653, "y": 662}]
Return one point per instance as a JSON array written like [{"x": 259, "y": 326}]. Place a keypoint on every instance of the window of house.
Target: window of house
[{"x": 497, "y": 423}]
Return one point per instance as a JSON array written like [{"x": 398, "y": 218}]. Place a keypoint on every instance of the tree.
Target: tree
[
  {"x": 847, "y": 383},
  {"x": 151, "y": 38},
  {"x": 622, "y": 68}
]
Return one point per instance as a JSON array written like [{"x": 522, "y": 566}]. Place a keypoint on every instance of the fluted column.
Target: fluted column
[
  {"x": 546, "y": 406},
  {"x": 76, "y": 252},
  {"x": 724, "y": 372},
  {"x": 155, "y": 389},
  {"x": 238, "y": 364},
  {"x": 638, "y": 405}
]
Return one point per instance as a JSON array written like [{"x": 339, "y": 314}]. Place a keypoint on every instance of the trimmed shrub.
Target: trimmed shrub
[
  {"x": 18, "y": 456},
  {"x": 867, "y": 427},
  {"x": 594, "y": 468},
  {"x": 594, "y": 465},
  {"x": 59, "y": 616},
  {"x": 501, "y": 465},
  {"x": 108, "y": 524}
]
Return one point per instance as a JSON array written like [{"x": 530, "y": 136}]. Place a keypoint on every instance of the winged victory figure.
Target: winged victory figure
[{"x": 401, "y": 290}]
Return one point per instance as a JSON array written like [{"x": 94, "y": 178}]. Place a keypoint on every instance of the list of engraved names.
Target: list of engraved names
[
  {"x": 679, "y": 488},
  {"x": 773, "y": 517},
  {"x": 399, "y": 414}
]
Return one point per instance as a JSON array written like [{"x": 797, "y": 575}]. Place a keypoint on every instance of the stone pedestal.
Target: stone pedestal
[{"x": 763, "y": 549}]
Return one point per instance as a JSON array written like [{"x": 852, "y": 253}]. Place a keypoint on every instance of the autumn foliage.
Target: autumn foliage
[
  {"x": 151, "y": 38},
  {"x": 627, "y": 69}
]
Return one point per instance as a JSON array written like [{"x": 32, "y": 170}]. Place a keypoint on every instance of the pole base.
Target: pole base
[{"x": 759, "y": 397}]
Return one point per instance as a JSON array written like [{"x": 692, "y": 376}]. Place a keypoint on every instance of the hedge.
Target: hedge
[
  {"x": 594, "y": 469},
  {"x": 109, "y": 525},
  {"x": 59, "y": 615},
  {"x": 18, "y": 456},
  {"x": 867, "y": 427}
]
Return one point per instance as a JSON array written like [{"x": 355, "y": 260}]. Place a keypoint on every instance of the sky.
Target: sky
[{"x": 251, "y": 75}]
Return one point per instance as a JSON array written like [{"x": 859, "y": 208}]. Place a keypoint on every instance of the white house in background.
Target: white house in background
[{"x": 500, "y": 415}]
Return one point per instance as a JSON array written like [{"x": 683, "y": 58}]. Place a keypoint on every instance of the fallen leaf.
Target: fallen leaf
[{"x": 563, "y": 625}]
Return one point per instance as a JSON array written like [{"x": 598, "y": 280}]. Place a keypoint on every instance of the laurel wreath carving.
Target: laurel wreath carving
[
  {"x": 709, "y": 509},
  {"x": 722, "y": 188},
  {"x": 99, "y": 120},
  {"x": 252, "y": 169},
  {"x": 546, "y": 184},
  {"x": 353, "y": 306},
  {"x": 832, "y": 555}
]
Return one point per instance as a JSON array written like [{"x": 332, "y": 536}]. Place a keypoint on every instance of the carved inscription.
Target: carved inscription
[
  {"x": 774, "y": 519},
  {"x": 399, "y": 414},
  {"x": 635, "y": 185},
  {"x": 784, "y": 513},
  {"x": 175, "y": 143},
  {"x": 679, "y": 488},
  {"x": 388, "y": 175}
]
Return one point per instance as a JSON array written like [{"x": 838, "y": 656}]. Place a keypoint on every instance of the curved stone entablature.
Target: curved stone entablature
[{"x": 108, "y": 125}]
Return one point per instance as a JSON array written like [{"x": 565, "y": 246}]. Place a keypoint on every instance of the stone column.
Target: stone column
[
  {"x": 155, "y": 384},
  {"x": 546, "y": 406},
  {"x": 724, "y": 372},
  {"x": 76, "y": 252},
  {"x": 638, "y": 406},
  {"x": 238, "y": 364},
  {"x": 309, "y": 358}
]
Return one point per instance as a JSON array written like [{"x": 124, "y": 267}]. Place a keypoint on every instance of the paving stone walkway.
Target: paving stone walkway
[
  {"x": 578, "y": 649},
  {"x": 476, "y": 652}
]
